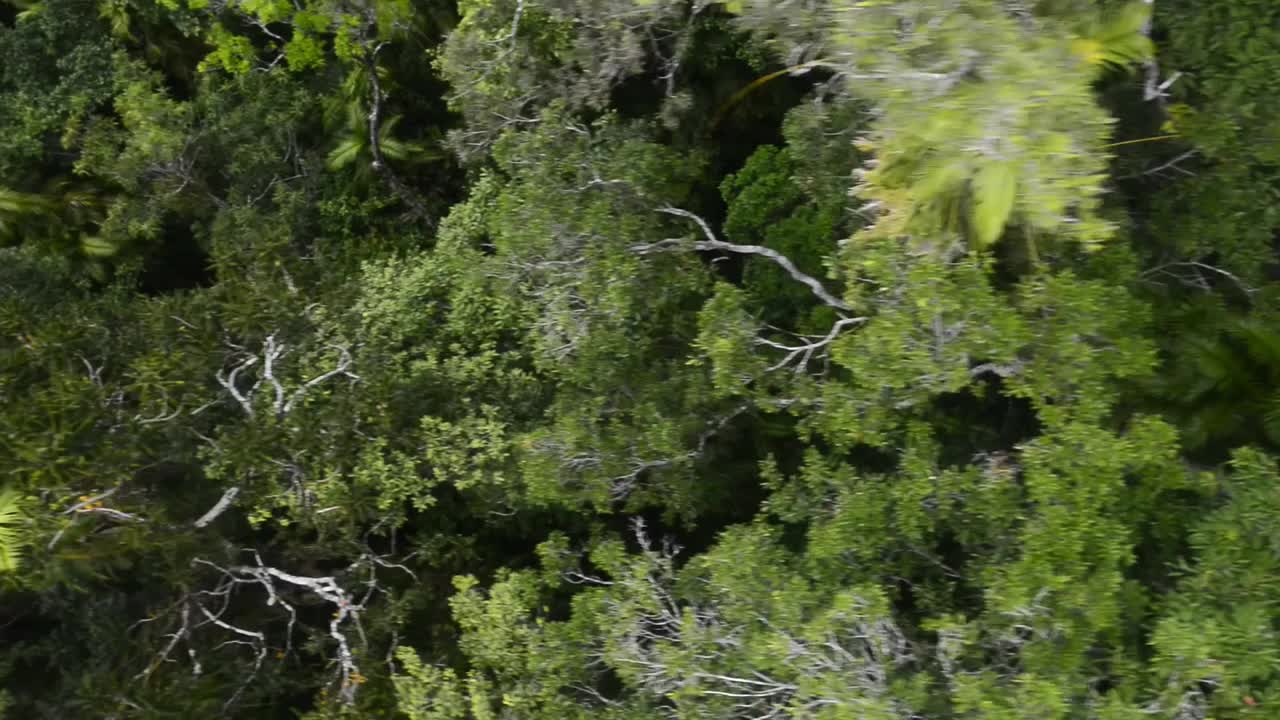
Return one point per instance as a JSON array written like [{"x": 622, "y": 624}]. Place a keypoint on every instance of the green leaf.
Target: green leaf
[{"x": 303, "y": 51}]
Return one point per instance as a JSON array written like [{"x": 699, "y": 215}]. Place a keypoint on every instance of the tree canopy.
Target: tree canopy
[{"x": 639, "y": 359}]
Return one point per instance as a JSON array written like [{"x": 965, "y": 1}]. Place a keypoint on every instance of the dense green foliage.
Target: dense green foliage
[{"x": 630, "y": 359}]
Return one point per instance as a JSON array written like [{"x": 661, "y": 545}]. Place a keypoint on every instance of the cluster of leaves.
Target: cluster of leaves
[{"x": 621, "y": 359}]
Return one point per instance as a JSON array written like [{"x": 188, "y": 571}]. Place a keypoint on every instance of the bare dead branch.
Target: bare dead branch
[
  {"x": 181, "y": 633},
  {"x": 515, "y": 23},
  {"x": 229, "y": 382},
  {"x": 861, "y": 650},
  {"x": 283, "y": 402},
  {"x": 712, "y": 243},
  {"x": 214, "y": 603},
  {"x": 219, "y": 507},
  {"x": 716, "y": 426},
  {"x": 1197, "y": 279},
  {"x": 95, "y": 373},
  {"x": 1002, "y": 371},
  {"x": 343, "y": 368},
  {"x": 81, "y": 505},
  {"x": 112, "y": 513},
  {"x": 93, "y": 506},
  {"x": 380, "y": 166},
  {"x": 804, "y": 353},
  {"x": 163, "y": 415},
  {"x": 1169, "y": 165}
]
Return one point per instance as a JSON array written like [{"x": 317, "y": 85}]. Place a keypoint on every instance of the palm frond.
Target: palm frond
[
  {"x": 27, "y": 10},
  {"x": 1271, "y": 419},
  {"x": 994, "y": 188},
  {"x": 1118, "y": 39},
  {"x": 1260, "y": 340},
  {"x": 97, "y": 247},
  {"x": 345, "y": 153},
  {"x": 356, "y": 144},
  {"x": 18, "y": 203}
]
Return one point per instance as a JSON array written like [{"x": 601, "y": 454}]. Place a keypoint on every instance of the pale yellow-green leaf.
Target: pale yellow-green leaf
[
  {"x": 994, "y": 189},
  {"x": 939, "y": 180},
  {"x": 1118, "y": 39},
  {"x": 10, "y": 536},
  {"x": 1088, "y": 50}
]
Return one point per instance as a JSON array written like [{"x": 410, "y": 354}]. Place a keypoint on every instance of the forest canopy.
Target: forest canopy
[{"x": 640, "y": 359}]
